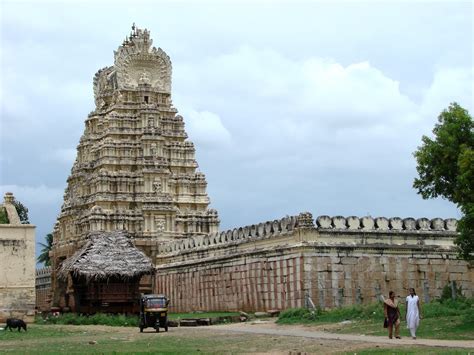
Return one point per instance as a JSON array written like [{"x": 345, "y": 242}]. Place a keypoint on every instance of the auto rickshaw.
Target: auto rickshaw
[{"x": 153, "y": 312}]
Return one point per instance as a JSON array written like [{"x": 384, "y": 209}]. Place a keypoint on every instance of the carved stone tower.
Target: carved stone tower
[{"x": 135, "y": 168}]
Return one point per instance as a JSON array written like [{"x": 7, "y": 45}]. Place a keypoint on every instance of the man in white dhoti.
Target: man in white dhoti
[{"x": 413, "y": 312}]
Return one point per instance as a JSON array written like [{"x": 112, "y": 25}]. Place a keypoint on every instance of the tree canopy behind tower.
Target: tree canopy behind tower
[
  {"x": 45, "y": 249},
  {"x": 445, "y": 165},
  {"x": 22, "y": 211}
]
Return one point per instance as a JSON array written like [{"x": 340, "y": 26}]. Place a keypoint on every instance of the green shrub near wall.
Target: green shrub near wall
[
  {"x": 115, "y": 320},
  {"x": 463, "y": 307},
  {"x": 3, "y": 216}
]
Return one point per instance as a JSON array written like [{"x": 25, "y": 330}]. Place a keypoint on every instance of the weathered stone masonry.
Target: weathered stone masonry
[
  {"x": 247, "y": 282},
  {"x": 17, "y": 266},
  {"x": 339, "y": 261},
  {"x": 43, "y": 289}
]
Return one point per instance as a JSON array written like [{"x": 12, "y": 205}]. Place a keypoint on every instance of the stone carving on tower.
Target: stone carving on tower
[{"x": 135, "y": 168}]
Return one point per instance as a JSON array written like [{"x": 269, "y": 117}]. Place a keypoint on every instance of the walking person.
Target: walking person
[
  {"x": 392, "y": 315},
  {"x": 413, "y": 312}
]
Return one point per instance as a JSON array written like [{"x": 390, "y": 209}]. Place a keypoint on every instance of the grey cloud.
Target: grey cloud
[{"x": 295, "y": 143}]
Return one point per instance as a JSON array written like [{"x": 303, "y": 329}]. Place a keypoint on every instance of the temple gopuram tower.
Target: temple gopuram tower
[{"x": 135, "y": 170}]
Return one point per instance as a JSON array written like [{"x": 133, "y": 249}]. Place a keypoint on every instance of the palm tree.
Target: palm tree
[{"x": 44, "y": 256}]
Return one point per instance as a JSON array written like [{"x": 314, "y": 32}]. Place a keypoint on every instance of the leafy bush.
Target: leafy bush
[
  {"x": 371, "y": 311},
  {"x": 447, "y": 293},
  {"x": 447, "y": 308},
  {"x": 468, "y": 316},
  {"x": 3, "y": 216},
  {"x": 22, "y": 211},
  {"x": 460, "y": 307},
  {"x": 298, "y": 315},
  {"x": 303, "y": 315}
]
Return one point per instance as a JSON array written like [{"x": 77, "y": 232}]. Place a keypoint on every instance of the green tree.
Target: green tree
[
  {"x": 22, "y": 211},
  {"x": 3, "y": 216},
  {"x": 445, "y": 166},
  {"x": 46, "y": 248}
]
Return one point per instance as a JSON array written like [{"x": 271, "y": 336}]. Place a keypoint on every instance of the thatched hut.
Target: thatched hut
[{"x": 104, "y": 275}]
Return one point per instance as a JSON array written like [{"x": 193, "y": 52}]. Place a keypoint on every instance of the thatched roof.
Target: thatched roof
[{"x": 106, "y": 255}]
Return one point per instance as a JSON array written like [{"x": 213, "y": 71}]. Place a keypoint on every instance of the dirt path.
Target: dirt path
[
  {"x": 98, "y": 339},
  {"x": 259, "y": 337},
  {"x": 270, "y": 328}
]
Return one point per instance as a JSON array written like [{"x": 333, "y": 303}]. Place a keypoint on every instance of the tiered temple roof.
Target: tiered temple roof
[{"x": 135, "y": 169}]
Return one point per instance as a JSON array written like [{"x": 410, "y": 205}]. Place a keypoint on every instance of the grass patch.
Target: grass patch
[
  {"x": 447, "y": 328},
  {"x": 120, "y": 320},
  {"x": 39, "y": 332},
  {"x": 66, "y": 339},
  {"x": 114, "y": 320},
  {"x": 302, "y": 315},
  {"x": 408, "y": 351},
  {"x": 193, "y": 315},
  {"x": 442, "y": 320}
]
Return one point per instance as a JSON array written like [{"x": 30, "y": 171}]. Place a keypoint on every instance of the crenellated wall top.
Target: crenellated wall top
[
  {"x": 368, "y": 224},
  {"x": 251, "y": 232},
  {"x": 290, "y": 224},
  {"x": 44, "y": 271}
]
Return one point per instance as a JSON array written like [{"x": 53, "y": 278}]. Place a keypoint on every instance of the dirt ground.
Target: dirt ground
[
  {"x": 322, "y": 332},
  {"x": 259, "y": 337}
]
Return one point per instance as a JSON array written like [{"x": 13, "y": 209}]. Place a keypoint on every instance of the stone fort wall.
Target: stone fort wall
[
  {"x": 333, "y": 262},
  {"x": 17, "y": 266},
  {"x": 43, "y": 289}
]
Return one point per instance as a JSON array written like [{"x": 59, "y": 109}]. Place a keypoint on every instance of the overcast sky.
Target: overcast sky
[{"x": 292, "y": 106}]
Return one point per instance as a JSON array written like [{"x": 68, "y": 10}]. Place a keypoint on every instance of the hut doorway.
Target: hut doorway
[{"x": 111, "y": 296}]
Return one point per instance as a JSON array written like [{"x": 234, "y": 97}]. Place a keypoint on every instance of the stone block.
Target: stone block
[
  {"x": 173, "y": 323},
  {"x": 423, "y": 224},
  {"x": 437, "y": 224},
  {"x": 188, "y": 323},
  {"x": 436, "y": 261},
  {"x": 274, "y": 312},
  {"x": 409, "y": 224},
  {"x": 455, "y": 276},
  {"x": 353, "y": 223},
  {"x": 268, "y": 228},
  {"x": 339, "y": 222},
  {"x": 419, "y": 261},
  {"x": 457, "y": 269},
  {"x": 438, "y": 268},
  {"x": 430, "y": 275},
  {"x": 204, "y": 321},
  {"x": 382, "y": 223},
  {"x": 324, "y": 222},
  {"x": 375, "y": 275},
  {"x": 451, "y": 224},
  {"x": 367, "y": 223},
  {"x": 396, "y": 223},
  {"x": 347, "y": 260},
  {"x": 423, "y": 268}
]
